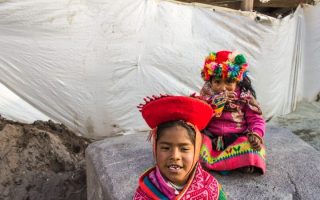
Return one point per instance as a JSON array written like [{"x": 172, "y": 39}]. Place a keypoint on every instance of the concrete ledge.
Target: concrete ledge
[{"x": 293, "y": 169}]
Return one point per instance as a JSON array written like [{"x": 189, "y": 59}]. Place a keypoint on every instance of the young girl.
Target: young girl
[
  {"x": 176, "y": 148},
  {"x": 233, "y": 138}
]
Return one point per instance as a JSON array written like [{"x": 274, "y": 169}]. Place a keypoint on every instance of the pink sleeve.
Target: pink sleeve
[{"x": 255, "y": 121}]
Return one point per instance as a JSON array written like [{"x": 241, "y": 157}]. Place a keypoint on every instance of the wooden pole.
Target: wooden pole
[{"x": 247, "y": 5}]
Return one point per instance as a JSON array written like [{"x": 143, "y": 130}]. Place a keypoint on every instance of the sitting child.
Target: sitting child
[
  {"x": 175, "y": 123},
  {"x": 233, "y": 138}
]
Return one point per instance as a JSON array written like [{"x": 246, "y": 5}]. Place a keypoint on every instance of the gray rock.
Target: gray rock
[
  {"x": 114, "y": 166},
  {"x": 304, "y": 122},
  {"x": 293, "y": 169}
]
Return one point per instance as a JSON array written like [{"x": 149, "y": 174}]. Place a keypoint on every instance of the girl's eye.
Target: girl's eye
[
  {"x": 164, "y": 148},
  {"x": 229, "y": 81},
  {"x": 217, "y": 81},
  {"x": 184, "y": 149}
]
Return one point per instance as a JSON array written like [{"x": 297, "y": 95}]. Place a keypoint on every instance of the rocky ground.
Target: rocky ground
[
  {"x": 304, "y": 122},
  {"x": 43, "y": 160}
]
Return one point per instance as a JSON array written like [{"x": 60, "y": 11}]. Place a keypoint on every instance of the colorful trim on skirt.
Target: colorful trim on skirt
[{"x": 236, "y": 155}]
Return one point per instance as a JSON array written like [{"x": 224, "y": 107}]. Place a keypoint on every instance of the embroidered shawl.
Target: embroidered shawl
[{"x": 201, "y": 185}]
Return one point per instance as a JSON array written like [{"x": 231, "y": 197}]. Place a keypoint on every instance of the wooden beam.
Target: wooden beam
[
  {"x": 233, "y": 4},
  {"x": 247, "y": 5},
  {"x": 281, "y": 3}
]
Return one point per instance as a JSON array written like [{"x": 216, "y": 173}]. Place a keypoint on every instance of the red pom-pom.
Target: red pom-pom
[{"x": 222, "y": 56}]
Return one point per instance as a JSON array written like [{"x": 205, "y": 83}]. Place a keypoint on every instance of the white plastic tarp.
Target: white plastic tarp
[{"x": 88, "y": 64}]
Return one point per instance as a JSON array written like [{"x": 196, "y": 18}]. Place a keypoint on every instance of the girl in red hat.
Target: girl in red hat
[
  {"x": 175, "y": 122},
  {"x": 233, "y": 138}
]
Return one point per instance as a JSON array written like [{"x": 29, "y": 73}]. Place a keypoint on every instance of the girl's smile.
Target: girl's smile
[{"x": 173, "y": 168}]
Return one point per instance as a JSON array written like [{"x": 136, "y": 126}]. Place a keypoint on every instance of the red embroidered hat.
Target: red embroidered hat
[{"x": 162, "y": 109}]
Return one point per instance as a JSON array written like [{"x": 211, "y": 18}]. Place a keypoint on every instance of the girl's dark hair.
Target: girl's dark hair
[
  {"x": 162, "y": 127},
  {"x": 245, "y": 85}
]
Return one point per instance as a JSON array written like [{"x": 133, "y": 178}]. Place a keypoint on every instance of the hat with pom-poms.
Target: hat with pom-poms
[{"x": 224, "y": 65}]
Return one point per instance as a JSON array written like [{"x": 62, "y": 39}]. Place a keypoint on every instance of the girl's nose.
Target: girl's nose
[
  {"x": 223, "y": 87},
  {"x": 175, "y": 154}
]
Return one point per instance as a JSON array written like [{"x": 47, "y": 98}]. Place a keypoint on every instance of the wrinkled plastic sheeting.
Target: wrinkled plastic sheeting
[
  {"x": 88, "y": 64},
  {"x": 311, "y": 66}
]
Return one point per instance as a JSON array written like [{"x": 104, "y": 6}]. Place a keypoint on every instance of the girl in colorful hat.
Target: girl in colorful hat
[
  {"x": 175, "y": 122},
  {"x": 233, "y": 139}
]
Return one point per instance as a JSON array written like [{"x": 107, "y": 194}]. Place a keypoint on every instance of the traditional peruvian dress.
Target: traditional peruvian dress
[
  {"x": 200, "y": 184},
  {"x": 225, "y": 144}
]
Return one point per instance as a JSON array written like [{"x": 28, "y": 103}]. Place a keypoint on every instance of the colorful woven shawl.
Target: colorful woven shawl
[{"x": 201, "y": 185}]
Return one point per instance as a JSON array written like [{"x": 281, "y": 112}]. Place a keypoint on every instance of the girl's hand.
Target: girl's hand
[
  {"x": 255, "y": 141},
  {"x": 231, "y": 95}
]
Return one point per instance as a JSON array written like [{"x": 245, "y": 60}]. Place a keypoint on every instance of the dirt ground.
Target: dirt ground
[{"x": 43, "y": 160}]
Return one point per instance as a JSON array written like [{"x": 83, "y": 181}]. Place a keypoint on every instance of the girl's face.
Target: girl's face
[
  {"x": 219, "y": 86},
  {"x": 174, "y": 154}
]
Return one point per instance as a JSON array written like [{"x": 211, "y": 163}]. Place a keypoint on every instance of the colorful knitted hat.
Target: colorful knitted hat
[
  {"x": 224, "y": 65},
  {"x": 166, "y": 108}
]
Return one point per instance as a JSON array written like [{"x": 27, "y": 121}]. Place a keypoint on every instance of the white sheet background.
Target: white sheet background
[{"x": 88, "y": 64}]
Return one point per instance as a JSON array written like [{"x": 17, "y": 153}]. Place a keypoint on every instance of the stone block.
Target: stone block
[{"x": 293, "y": 169}]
